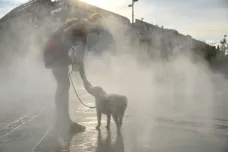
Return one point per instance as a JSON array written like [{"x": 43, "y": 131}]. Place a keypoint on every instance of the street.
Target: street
[
  {"x": 163, "y": 62},
  {"x": 24, "y": 131}
]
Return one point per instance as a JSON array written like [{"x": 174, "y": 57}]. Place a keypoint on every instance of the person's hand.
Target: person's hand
[{"x": 87, "y": 85}]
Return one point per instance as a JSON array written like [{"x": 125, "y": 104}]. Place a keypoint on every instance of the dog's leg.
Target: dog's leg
[
  {"x": 115, "y": 117},
  {"x": 108, "y": 120},
  {"x": 121, "y": 120},
  {"x": 98, "y": 120},
  {"x": 122, "y": 115}
]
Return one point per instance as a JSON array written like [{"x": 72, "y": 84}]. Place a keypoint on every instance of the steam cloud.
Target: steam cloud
[{"x": 178, "y": 87}]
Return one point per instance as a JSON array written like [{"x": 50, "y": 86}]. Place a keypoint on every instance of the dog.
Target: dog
[{"x": 109, "y": 104}]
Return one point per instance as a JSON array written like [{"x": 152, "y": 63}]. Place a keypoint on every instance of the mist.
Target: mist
[
  {"x": 184, "y": 86},
  {"x": 181, "y": 82},
  {"x": 25, "y": 84}
]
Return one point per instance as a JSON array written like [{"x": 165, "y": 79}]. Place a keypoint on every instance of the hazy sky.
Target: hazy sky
[{"x": 202, "y": 19}]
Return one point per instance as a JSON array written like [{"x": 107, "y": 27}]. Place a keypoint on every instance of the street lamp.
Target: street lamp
[{"x": 132, "y": 6}]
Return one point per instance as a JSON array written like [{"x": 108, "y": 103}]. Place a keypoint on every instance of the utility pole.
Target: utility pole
[{"x": 132, "y": 6}]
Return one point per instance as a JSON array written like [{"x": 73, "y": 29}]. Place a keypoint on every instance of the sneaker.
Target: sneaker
[{"x": 76, "y": 128}]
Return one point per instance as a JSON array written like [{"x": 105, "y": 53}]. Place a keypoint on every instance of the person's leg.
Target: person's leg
[
  {"x": 62, "y": 101},
  {"x": 62, "y": 94}
]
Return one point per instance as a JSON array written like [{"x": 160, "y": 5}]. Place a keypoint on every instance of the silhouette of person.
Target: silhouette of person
[{"x": 56, "y": 57}]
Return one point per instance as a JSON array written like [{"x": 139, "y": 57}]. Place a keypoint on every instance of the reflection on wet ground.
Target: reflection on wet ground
[
  {"x": 106, "y": 145},
  {"x": 141, "y": 132}
]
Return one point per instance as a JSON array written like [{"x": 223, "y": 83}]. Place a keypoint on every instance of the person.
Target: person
[{"x": 56, "y": 57}]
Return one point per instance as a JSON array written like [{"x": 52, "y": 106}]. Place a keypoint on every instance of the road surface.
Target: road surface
[{"x": 23, "y": 130}]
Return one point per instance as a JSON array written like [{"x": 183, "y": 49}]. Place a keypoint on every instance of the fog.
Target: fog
[{"x": 182, "y": 87}]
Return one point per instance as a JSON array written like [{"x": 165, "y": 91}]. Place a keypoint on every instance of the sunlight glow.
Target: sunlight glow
[{"x": 99, "y": 3}]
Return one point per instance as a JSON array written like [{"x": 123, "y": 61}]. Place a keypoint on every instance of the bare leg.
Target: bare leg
[
  {"x": 98, "y": 119},
  {"x": 63, "y": 121},
  {"x": 108, "y": 120},
  {"x": 61, "y": 99}
]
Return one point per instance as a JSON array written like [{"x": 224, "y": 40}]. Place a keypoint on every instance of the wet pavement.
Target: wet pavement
[{"x": 24, "y": 131}]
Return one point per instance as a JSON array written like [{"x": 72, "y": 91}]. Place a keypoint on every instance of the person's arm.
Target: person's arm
[
  {"x": 74, "y": 28},
  {"x": 79, "y": 59},
  {"x": 82, "y": 73}
]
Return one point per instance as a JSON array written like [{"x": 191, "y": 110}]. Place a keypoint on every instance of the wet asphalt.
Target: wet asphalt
[{"x": 23, "y": 130}]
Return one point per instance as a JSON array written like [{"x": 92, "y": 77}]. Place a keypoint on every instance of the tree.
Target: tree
[{"x": 224, "y": 45}]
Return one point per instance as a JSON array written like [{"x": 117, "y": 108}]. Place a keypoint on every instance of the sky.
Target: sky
[{"x": 205, "y": 20}]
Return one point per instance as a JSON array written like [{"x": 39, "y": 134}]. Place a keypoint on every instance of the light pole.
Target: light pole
[{"x": 132, "y": 6}]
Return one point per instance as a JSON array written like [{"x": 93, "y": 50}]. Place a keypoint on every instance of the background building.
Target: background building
[{"x": 36, "y": 19}]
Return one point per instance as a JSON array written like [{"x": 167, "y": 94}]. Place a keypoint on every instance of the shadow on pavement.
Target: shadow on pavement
[
  {"x": 50, "y": 142},
  {"x": 106, "y": 144}
]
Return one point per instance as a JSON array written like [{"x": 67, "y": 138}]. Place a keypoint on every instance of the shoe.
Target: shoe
[{"x": 76, "y": 128}]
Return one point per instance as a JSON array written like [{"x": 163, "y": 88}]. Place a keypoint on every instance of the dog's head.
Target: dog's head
[{"x": 98, "y": 92}]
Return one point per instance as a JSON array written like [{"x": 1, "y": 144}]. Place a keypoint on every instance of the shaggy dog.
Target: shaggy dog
[{"x": 109, "y": 104}]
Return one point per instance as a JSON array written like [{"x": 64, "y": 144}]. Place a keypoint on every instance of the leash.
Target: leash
[{"x": 70, "y": 73}]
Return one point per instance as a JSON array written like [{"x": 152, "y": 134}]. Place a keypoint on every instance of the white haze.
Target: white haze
[
  {"x": 183, "y": 87},
  {"x": 181, "y": 83},
  {"x": 180, "y": 87}
]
